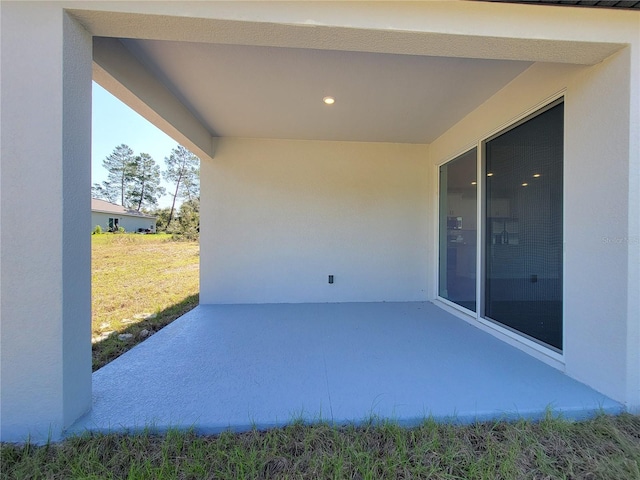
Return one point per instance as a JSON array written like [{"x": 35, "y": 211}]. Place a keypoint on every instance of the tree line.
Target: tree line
[{"x": 133, "y": 181}]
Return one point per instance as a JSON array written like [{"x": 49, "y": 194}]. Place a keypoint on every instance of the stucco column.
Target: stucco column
[{"x": 45, "y": 250}]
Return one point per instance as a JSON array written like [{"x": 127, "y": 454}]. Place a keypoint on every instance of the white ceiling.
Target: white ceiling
[{"x": 276, "y": 92}]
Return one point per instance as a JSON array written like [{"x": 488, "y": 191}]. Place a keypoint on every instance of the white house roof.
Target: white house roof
[{"x": 103, "y": 206}]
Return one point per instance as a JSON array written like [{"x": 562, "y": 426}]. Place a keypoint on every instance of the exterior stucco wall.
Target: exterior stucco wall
[
  {"x": 601, "y": 339},
  {"x": 597, "y": 169},
  {"x": 280, "y": 216},
  {"x": 633, "y": 298},
  {"x": 45, "y": 288},
  {"x": 128, "y": 222}
]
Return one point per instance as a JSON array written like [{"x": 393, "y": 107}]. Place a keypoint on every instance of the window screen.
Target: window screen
[{"x": 524, "y": 238}]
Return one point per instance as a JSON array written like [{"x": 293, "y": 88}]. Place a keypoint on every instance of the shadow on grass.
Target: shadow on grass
[{"x": 112, "y": 347}]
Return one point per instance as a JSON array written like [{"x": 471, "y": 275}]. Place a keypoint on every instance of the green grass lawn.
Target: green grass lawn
[
  {"x": 139, "y": 284},
  {"x": 602, "y": 448}
]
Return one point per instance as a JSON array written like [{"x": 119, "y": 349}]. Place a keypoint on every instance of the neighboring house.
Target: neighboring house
[
  {"x": 480, "y": 155},
  {"x": 111, "y": 216}
]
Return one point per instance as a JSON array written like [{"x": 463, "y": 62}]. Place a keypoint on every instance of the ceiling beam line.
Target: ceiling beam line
[
  {"x": 357, "y": 39},
  {"x": 122, "y": 75}
]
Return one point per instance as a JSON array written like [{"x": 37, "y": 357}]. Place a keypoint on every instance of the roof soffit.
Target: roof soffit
[{"x": 143, "y": 31}]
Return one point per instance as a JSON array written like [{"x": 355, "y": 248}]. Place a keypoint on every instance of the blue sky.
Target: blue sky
[{"x": 114, "y": 123}]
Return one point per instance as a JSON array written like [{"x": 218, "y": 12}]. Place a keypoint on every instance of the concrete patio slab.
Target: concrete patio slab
[{"x": 242, "y": 366}]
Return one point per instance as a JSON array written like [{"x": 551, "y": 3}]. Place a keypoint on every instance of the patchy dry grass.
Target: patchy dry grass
[
  {"x": 602, "y": 448},
  {"x": 139, "y": 282}
]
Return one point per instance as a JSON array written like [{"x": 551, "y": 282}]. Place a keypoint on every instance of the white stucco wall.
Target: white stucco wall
[
  {"x": 129, "y": 222},
  {"x": 282, "y": 215},
  {"x": 600, "y": 333},
  {"x": 597, "y": 167},
  {"x": 45, "y": 281}
]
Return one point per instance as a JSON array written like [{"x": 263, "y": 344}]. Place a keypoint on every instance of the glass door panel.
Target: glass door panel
[
  {"x": 458, "y": 227},
  {"x": 524, "y": 238}
]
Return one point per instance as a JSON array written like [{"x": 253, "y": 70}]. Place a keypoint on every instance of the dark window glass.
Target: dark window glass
[{"x": 523, "y": 245}]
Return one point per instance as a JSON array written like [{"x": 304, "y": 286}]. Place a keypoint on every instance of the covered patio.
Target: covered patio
[
  {"x": 243, "y": 366},
  {"x": 297, "y": 193}
]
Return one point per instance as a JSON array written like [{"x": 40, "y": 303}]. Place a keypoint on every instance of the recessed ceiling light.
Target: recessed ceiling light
[
  {"x": 525, "y": 184},
  {"x": 490, "y": 174},
  {"x": 536, "y": 175},
  {"x": 474, "y": 182},
  {"x": 329, "y": 100}
]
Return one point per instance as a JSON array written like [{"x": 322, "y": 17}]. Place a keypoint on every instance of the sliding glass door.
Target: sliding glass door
[
  {"x": 523, "y": 243},
  {"x": 521, "y": 217},
  {"x": 458, "y": 230}
]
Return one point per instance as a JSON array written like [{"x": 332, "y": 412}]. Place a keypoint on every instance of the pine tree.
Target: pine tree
[
  {"x": 119, "y": 165},
  {"x": 144, "y": 188},
  {"x": 100, "y": 191},
  {"x": 183, "y": 169}
]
